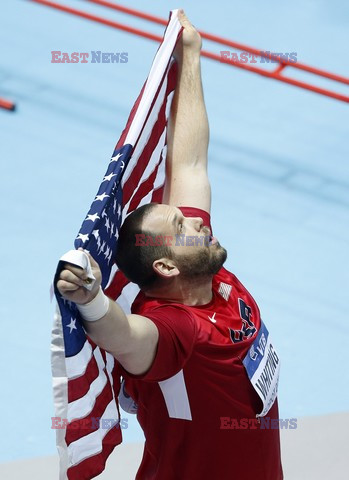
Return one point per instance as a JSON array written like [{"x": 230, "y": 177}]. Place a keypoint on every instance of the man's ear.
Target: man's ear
[{"x": 165, "y": 267}]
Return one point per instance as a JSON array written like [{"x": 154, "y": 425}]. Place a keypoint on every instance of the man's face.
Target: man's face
[{"x": 195, "y": 252}]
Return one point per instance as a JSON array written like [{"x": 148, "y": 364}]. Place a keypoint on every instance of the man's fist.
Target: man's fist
[
  {"x": 190, "y": 40},
  {"x": 72, "y": 280}
]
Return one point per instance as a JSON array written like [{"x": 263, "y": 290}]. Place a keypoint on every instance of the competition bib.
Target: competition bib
[{"x": 262, "y": 365}]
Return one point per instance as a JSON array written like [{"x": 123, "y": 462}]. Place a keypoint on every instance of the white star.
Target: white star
[
  {"x": 83, "y": 237},
  {"x": 116, "y": 233},
  {"x": 114, "y": 205},
  {"x": 119, "y": 211},
  {"x": 107, "y": 178},
  {"x": 93, "y": 217},
  {"x": 66, "y": 301},
  {"x": 104, "y": 214},
  {"x": 102, "y": 248},
  {"x": 98, "y": 242},
  {"x": 101, "y": 197},
  {"x": 122, "y": 166},
  {"x": 72, "y": 325},
  {"x": 107, "y": 251},
  {"x": 212, "y": 318},
  {"x": 107, "y": 224},
  {"x": 110, "y": 255},
  {"x": 116, "y": 158},
  {"x": 95, "y": 233},
  {"x": 111, "y": 230}
]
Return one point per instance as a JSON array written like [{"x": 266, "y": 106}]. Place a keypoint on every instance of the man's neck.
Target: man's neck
[{"x": 191, "y": 292}]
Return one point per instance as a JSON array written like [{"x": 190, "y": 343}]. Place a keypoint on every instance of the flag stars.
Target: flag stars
[
  {"x": 101, "y": 197},
  {"x": 107, "y": 178},
  {"x": 72, "y": 325},
  {"x": 119, "y": 211},
  {"x": 95, "y": 233},
  {"x": 116, "y": 158},
  {"x": 107, "y": 224},
  {"x": 65, "y": 301},
  {"x": 83, "y": 237},
  {"x": 93, "y": 217},
  {"x": 106, "y": 253},
  {"x": 115, "y": 205},
  {"x": 101, "y": 250},
  {"x": 122, "y": 165}
]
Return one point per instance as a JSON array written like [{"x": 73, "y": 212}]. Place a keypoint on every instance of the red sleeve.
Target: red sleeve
[
  {"x": 197, "y": 212},
  {"x": 177, "y": 335}
]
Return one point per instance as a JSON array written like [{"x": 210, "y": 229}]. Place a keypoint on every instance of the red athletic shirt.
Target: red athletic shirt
[{"x": 197, "y": 386}]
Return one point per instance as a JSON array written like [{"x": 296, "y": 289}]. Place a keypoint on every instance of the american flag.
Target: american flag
[{"x": 86, "y": 379}]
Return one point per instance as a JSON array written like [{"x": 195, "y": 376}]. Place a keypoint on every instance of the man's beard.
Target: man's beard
[{"x": 205, "y": 262}]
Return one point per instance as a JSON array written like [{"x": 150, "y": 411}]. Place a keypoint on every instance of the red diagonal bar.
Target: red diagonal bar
[
  {"x": 223, "y": 41},
  {"x": 7, "y": 104},
  {"x": 274, "y": 75},
  {"x": 130, "y": 11},
  {"x": 259, "y": 53},
  {"x": 95, "y": 18}
]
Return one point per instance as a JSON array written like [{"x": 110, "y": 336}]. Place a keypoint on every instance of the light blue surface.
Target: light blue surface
[{"x": 279, "y": 164}]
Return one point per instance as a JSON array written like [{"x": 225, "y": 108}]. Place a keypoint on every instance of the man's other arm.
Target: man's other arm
[
  {"x": 187, "y": 182},
  {"x": 132, "y": 339}
]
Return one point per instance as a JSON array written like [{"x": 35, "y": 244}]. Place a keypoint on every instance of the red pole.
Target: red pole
[
  {"x": 223, "y": 41},
  {"x": 95, "y": 18},
  {"x": 275, "y": 75},
  {"x": 130, "y": 11},
  {"x": 7, "y": 105}
]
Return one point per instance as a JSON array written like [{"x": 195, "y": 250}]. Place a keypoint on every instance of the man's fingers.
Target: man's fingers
[
  {"x": 64, "y": 286},
  {"x": 72, "y": 277},
  {"x": 77, "y": 271},
  {"x": 184, "y": 21}
]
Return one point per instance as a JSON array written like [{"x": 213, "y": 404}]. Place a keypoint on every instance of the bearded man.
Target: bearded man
[{"x": 196, "y": 356}]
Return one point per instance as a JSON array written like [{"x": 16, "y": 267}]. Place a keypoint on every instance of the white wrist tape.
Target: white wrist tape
[{"x": 96, "y": 309}]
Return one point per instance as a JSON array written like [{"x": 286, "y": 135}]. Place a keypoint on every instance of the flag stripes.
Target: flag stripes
[{"x": 86, "y": 378}]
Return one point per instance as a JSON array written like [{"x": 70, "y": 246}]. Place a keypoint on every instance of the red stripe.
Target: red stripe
[
  {"x": 81, "y": 427},
  {"x": 78, "y": 387},
  {"x": 157, "y": 194},
  {"x": 148, "y": 184},
  {"x": 118, "y": 283},
  {"x": 143, "y": 190},
  {"x": 158, "y": 128},
  {"x": 93, "y": 466},
  {"x": 145, "y": 156},
  {"x": 122, "y": 139}
]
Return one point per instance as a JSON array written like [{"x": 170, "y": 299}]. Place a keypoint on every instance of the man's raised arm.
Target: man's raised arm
[{"x": 187, "y": 181}]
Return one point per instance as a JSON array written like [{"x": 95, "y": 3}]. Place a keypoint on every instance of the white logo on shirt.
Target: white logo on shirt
[{"x": 212, "y": 318}]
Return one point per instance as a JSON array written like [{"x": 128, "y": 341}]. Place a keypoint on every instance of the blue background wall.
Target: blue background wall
[{"x": 279, "y": 169}]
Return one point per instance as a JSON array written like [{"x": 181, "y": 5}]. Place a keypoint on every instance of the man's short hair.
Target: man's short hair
[{"x": 135, "y": 260}]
